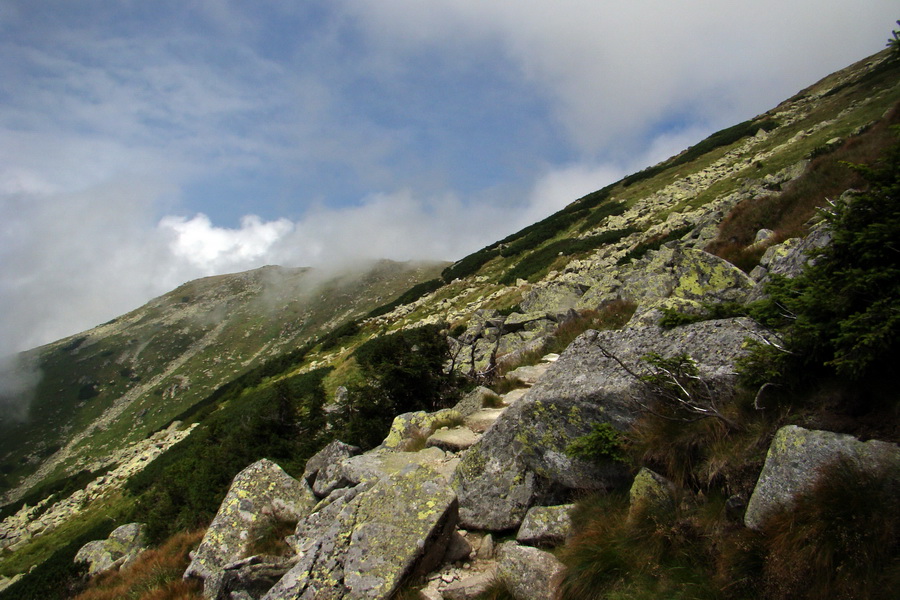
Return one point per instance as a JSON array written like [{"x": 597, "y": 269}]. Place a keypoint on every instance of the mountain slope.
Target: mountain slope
[{"x": 113, "y": 385}]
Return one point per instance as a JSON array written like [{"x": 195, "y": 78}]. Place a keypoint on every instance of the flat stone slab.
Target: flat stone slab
[
  {"x": 480, "y": 420},
  {"x": 514, "y": 396},
  {"x": 454, "y": 439},
  {"x": 546, "y": 525}
]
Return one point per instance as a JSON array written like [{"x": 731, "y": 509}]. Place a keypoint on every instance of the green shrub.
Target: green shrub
[
  {"x": 603, "y": 443},
  {"x": 470, "y": 264},
  {"x": 408, "y": 297},
  {"x": 540, "y": 259}
]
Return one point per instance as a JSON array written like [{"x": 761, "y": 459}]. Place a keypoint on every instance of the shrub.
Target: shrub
[
  {"x": 408, "y": 297},
  {"x": 604, "y": 442},
  {"x": 540, "y": 259}
]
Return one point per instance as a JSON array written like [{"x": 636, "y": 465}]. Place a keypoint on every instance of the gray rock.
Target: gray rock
[
  {"x": 475, "y": 400},
  {"x": 262, "y": 490},
  {"x": 486, "y": 549},
  {"x": 454, "y": 439},
  {"x": 457, "y": 549},
  {"x": 324, "y": 470},
  {"x": 362, "y": 546},
  {"x": 546, "y": 525},
  {"x": 380, "y": 463},
  {"x": 521, "y": 460},
  {"x": 529, "y": 573},
  {"x": 468, "y": 588},
  {"x": 122, "y": 546},
  {"x": 795, "y": 459},
  {"x": 247, "y": 578},
  {"x": 651, "y": 491}
]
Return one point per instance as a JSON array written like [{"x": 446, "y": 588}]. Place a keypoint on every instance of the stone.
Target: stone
[
  {"x": 486, "y": 549},
  {"x": 380, "y": 463},
  {"x": 475, "y": 400},
  {"x": 546, "y": 526},
  {"x": 454, "y": 439},
  {"x": 458, "y": 549},
  {"x": 529, "y": 573},
  {"x": 481, "y": 420},
  {"x": 122, "y": 546},
  {"x": 362, "y": 546},
  {"x": 794, "y": 461},
  {"x": 468, "y": 588},
  {"x": 261, "y": 491},
  {"x": 247, "y": 578},
  {"x": 324, "y": 471},
  {"x": 653, "y": 492},
  {"x": 406, "y": 427},
  {"x": 529, "y": 374}
]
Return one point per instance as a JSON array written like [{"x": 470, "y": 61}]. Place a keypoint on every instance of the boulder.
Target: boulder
[
  {"x": 652, "y": 492},
  {"x": 362, "y": 546},
  {"x": 529, "y": 573},
  {"x": 458, "y": 548},
  {"x": 251, "y": 577},
  {"x": 380, "y": 463},
  {"x": 407, "y": 427},
  {"x": 122, "y": 546},
  {"x": 795, "y": 459},
  {"x": 546, "y": 525},
  {"x": 521, "y": 460},
  {"x": 261, "y": 491},
  {"x": 324, "y": 470}
]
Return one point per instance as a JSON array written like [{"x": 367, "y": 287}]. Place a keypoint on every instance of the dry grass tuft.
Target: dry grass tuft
[{"x": 155, "y": 575}]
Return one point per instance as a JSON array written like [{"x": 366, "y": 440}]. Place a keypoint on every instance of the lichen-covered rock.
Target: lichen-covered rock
[
  {"x": 364, "y": 545},
  {"x": 672, "y": 272},
  {"x": 380, "y": 463},
  {"x": 121, "y": 547},
  {"x": 247, "y": 578},
  {"x": 324, "y": 470},
  {"x": 546, "y": 525},
  {"x": 521, "y": 460},
  {"x": 651, "y": 491},
  {"x": 468, "y": 588},
  {"x": 529, "y": 573},
  {"x": 795, "y": 459},
  {"x": 419, "y": 424},
  {"x": 262, "y": 490}
]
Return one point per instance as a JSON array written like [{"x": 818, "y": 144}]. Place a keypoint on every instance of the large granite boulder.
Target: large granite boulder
[
  {"x": 261, "y": 491},
  {"x": 522, "y": 461},
  {"x": 529, "y": 573},
  {"x": 794, "y": 462},
  {"x": 369, "y": 538},
  {"x": 121, "y": 547}
]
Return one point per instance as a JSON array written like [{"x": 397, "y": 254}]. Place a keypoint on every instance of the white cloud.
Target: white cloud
[
  {"x": 615, "y": 70},
  {"x": 213, "y": 250}
]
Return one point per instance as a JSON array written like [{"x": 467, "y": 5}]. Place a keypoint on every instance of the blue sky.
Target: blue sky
[{"x": 143, "y": 144}]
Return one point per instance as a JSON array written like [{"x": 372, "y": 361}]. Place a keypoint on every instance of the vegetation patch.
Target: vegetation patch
[{"x": 539, "y": 260}]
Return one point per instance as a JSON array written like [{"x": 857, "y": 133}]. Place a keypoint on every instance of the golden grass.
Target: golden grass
[{"x": 155, "y": 575}]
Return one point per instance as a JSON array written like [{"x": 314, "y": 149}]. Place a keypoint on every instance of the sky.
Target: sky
[{"x": 145, "y": 144}]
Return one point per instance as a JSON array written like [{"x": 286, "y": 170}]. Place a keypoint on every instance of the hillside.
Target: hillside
[
  {"x": 107, "y": 388},
  {"x": 658, "y": 279}
]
